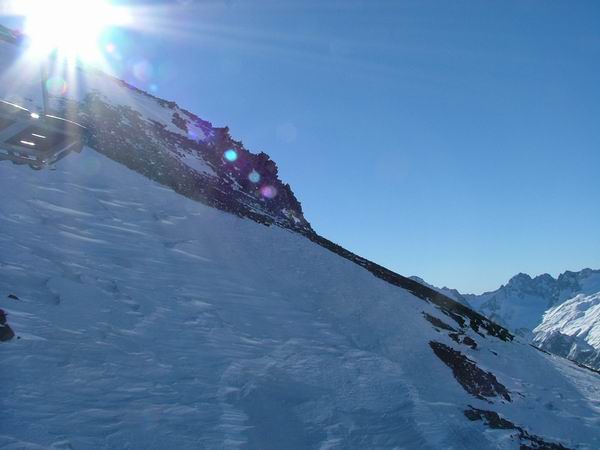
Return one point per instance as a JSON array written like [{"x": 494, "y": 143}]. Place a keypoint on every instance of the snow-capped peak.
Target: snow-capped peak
[{"x": 572, "y": 330}]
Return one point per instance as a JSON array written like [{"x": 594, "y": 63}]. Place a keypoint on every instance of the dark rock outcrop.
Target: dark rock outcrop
[
  {"x": 6, "y": 332},
  {"x": 473, "y": 379},
  {"x": 438, "y": 323},
  {"x": 496, "y": 422}
]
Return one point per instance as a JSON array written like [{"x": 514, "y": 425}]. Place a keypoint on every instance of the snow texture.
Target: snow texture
[
  {"x": 153, "y": 309},
  {"x": 148, "y": 320}
]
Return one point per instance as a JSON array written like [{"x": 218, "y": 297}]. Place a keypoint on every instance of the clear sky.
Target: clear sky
[{"x": 458, "y": 141}]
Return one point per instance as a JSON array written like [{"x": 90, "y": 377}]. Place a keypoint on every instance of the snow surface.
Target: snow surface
[
  {"x": 579, "y": 316},
  {"x": 197, "y": 163},
  {"x": 118, "y": 93},
  {"x": 577, "y": 322},
  {"x": 147, "y": 320}
]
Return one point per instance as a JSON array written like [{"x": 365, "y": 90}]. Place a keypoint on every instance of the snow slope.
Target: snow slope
[
  {"x": 147, "y": 320},
  {"x": 572, "y": 330},
  {"x": 182, "y": 305}
]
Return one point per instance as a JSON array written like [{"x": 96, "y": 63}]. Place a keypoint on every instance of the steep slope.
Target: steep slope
[
  {"x": 147, "y": 320},
  {"x": 572, "y": 330},
  {"x": 156, "y": 138},
  {"x": 187, "y": 154}
]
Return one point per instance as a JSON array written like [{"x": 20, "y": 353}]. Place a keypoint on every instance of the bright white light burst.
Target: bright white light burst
[{"x": 71, "y": 28}]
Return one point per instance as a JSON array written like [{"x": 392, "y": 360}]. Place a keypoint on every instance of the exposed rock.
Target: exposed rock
[
  {"x": 462, "y": 339},
  {"x": 438, "y": 323},
  {"x": 6, "y": 332},
  {"x": 474, "y": 380},
  {"x": 495, "y": 421}
]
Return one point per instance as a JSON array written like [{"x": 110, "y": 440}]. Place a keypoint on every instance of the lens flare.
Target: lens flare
[
  {"x": 71, "y": 29},
  {"x": 230, "y": 155},
  {"x": 268, "y": 191},
  {"x": 57, "y": 86},
  {"x": 143, "y": 71},
  {"x": 254, "y": 176}
]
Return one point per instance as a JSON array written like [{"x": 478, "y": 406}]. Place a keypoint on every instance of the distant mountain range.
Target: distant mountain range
[
  {"x": 560, "y": 315},
  {"x": 521, "y": 303}
]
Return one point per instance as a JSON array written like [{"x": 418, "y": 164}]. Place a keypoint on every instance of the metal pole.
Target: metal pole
[{"x": 44, "y": 73}]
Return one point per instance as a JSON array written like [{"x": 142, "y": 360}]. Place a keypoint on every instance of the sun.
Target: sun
[{"x": 71, "y": 29}]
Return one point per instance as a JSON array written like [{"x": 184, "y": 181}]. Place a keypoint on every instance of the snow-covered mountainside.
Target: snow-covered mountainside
[
  {"x": 162, "y": 297},
  {"x": 158, "y": 139},
  {"x": 572, "y": 330},
  {"x": 148, "y": 320},
  {"x": 522, "y": 302}
]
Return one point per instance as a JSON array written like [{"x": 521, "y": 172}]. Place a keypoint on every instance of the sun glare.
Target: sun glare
[{"x": 72, "y": 29}]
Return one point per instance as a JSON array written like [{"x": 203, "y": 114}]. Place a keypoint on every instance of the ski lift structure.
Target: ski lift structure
[{"x": 36, "y": 138}]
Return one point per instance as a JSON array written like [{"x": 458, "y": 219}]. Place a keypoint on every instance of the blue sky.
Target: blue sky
[{"x": 458, "y": 141}]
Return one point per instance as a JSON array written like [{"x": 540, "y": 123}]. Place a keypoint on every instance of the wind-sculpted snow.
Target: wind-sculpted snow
[
  {"x": 177, "y": 149},
  {"x": 150, "y": 321},
  {"x": 153, "y": 309}
]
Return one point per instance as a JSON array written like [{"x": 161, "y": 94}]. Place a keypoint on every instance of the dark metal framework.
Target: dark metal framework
[{"x": 36, "y": 140}]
